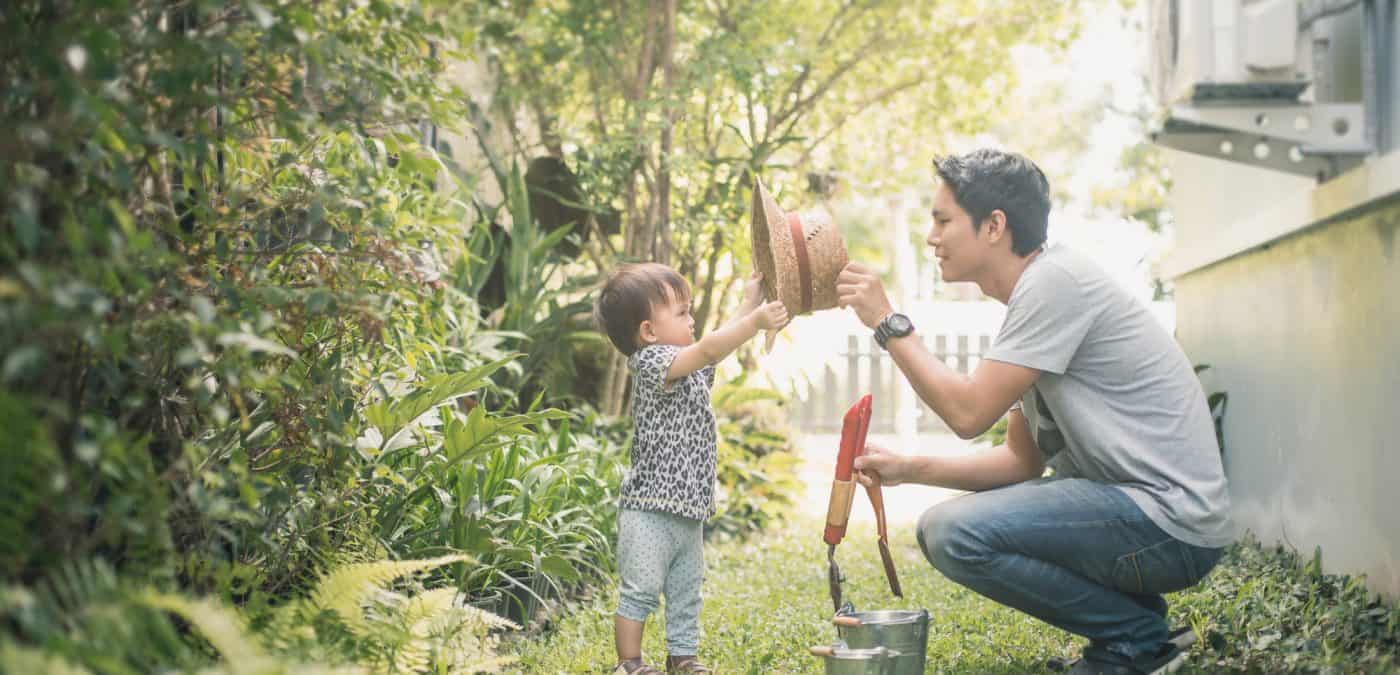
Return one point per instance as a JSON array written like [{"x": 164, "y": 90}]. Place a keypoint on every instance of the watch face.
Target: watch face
[{"x": 900, "y": 324}]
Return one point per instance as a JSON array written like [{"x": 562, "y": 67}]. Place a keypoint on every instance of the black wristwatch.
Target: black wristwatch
[{"x": 892, "y": 326}]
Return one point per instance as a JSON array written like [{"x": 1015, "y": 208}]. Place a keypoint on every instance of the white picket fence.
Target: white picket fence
[{"x": 830, "y": 360}]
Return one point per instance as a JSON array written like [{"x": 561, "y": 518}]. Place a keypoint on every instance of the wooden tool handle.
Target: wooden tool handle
[
  {"x": 839, "y": 508},
  {"x": 822, "y": 650},
  {"x": 845, "y": 621}
]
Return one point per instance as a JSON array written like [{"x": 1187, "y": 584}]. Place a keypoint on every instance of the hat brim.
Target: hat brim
[{"x": 773, "y": 252}]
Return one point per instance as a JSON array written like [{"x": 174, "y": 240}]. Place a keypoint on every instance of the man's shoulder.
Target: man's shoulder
[
  {"x": 1060, "y": 261},
  {"x": 1058, "y": 274}
]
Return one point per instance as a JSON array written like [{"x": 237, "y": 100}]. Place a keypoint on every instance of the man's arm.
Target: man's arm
[
  {"x": 969, "y": 404},
  {"x": 1012, "y": 462}
]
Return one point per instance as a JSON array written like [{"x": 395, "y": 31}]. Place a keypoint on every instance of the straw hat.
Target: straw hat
[{"x": 799, "y": 255}]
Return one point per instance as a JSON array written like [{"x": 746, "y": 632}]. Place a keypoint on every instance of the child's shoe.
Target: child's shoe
[
  {"x": 685, "y": 664},
  {"x": 634, "y": 667}
]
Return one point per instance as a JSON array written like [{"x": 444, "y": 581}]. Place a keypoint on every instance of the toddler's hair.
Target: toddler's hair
[{"x": 627, "y": 299}]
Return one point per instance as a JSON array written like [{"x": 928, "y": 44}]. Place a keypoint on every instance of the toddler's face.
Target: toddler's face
[{"x": 671, "y": 322}]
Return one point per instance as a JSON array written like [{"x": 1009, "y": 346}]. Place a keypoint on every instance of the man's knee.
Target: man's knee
[{"x": 947, "y": 534}]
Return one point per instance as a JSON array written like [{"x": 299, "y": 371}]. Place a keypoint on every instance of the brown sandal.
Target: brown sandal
[
  {"x": 634, "y": 667},
  {"x": 685, "y": 664}
]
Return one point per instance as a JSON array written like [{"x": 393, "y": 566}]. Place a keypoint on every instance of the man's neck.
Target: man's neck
[{"x": 1001, "y": 281}]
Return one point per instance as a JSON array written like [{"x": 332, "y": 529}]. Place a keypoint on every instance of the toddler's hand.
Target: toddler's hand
[
  {"x": 753, "y": 293},
  {"x": 772, "y": 315}
]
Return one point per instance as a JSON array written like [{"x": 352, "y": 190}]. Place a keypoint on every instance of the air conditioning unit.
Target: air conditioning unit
[
  {"x": 1228, "y": 49},
  {"x": 1234, "y": 79}
]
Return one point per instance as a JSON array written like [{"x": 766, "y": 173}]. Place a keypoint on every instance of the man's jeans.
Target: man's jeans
[{"x": 1074, "y": 553}]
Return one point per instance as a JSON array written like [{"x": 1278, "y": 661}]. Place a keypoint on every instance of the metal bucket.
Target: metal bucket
[
  {"x": 843, "y": 660},
  {"x": 900, "y": 630}
]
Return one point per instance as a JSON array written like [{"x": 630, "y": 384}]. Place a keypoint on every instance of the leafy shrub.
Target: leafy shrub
[
  {"x": 1266, "y": 610},
  {"x": 757, "y": 472}
]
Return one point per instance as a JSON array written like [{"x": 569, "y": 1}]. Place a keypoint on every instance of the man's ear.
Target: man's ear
[{"x": 995, "y": 226}]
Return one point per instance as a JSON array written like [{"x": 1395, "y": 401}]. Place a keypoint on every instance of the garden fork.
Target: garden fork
[{"x": 854, "y": 428}]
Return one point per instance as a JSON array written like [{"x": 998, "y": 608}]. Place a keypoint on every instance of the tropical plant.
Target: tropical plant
[{"x": 546, "y": 312}]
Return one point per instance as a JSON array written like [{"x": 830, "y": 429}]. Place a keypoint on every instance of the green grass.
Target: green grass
[{"x": 766, "y": 602}]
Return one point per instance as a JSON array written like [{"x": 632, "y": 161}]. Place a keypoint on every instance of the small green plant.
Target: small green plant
[{"x": 1216, "y": 401}]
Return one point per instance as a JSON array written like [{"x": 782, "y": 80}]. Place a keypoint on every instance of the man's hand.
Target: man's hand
[
  {"x": 771, "y": 315},
  {"x": 860, "y": 289},
  {"x": 890, "y": 467},
  {"x": 753, "y": 294}
]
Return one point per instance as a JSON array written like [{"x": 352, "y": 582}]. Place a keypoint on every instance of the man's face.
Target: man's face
[{"x": 959, "y": 249}]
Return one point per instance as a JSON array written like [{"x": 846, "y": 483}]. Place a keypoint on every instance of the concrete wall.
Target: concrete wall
[{"x": 1304, "y": 335}]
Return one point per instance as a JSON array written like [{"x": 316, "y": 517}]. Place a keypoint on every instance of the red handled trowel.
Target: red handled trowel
[{"x": 838, "y": 511}]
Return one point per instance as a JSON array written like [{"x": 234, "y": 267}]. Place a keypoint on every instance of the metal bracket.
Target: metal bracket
[{"x": 1318, "y": 140}]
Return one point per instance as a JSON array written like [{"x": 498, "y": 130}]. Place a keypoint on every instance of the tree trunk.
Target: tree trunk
[
  {"x": 639, "y": 241},
  {"x": 663, "y": 181},
  {"x": 707, "y": 296},
  {"x": 614, "y": 381}
]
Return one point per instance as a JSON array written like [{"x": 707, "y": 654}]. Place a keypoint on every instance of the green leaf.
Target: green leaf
[{"x": 392, "y": 417}]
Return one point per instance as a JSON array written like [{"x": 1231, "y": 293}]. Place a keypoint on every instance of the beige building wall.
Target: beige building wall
[{"x": 1302, "y": 330}]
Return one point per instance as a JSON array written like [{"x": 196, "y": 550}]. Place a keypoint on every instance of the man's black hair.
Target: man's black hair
[{"x": 989, "y": 180}]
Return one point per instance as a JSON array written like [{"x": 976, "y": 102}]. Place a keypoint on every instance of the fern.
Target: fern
[
  {"x": 343, "y": 591},
  {"x": 29, "y": 462},
  {"x": 226, "y": 630},
  {"x": 86, "y": 620},
  {"x": 431, "y": 630},
  {"x": 442, "y": 628}
]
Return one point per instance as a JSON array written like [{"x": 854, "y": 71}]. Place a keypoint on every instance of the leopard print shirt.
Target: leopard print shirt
[{"x": 673, "y": 444}]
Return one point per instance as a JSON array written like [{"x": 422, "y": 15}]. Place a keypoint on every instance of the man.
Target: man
[{"x": 1096, "y": 390}]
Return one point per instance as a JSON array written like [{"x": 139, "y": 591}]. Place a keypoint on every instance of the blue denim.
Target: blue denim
[{"x": 1074, "y": 553}]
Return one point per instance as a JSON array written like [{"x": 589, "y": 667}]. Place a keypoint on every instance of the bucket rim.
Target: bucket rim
[{"x": 887, "y": 617}]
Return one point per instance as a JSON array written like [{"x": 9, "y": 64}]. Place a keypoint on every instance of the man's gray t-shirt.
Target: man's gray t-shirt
[{"x": 1117, "y": 401}]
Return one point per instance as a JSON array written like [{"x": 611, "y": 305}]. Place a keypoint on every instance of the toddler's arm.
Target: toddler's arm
[{"x": 754, "y": 315}]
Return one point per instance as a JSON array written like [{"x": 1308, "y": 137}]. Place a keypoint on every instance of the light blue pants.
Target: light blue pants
[{"x": 662, "y": 553}]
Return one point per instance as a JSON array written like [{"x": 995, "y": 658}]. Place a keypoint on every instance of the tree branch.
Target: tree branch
[
  {"x": 863, "y": 53},
  {"x": 884, "y": 95}
]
